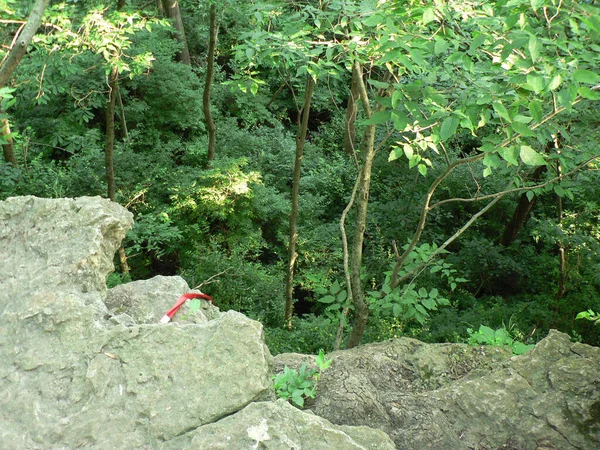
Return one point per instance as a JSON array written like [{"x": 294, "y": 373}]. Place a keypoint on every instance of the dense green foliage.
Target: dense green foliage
[{"x": 511, "y": 87}]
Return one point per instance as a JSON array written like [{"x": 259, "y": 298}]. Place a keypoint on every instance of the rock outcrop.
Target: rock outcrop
[
  {"x": 458, "y": 397},
  {"x": 75, "y": 373}
]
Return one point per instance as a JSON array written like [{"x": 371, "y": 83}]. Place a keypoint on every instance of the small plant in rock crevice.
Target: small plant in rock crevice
[
  {"x": 297, "y": 385},
  {"x": 500, "y": 337}
]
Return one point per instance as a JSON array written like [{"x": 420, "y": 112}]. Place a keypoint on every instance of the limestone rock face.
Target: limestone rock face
[
  {"x": 71, "y": 376},
  {"x": 280, "y": 426},
  {"x": 453, "y": 396}
]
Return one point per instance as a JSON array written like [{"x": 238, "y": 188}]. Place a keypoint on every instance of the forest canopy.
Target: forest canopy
[{"x": 343, "y": 171}]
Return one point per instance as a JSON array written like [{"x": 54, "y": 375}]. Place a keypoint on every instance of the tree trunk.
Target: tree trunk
[
  {"x": 110, "y": 150},
  {"x": 11, "y": 62},
  {"x": 210, "y": 59},
  {"x": 22, "y": 42},
  {"x": 563, "y": 274},
  {"x": 300, "y": 141},
  {"x": 9, "y": 147},
  {"x": 173, "y": 12},
  {"x": 361, "y": 309},
  {"x": 351, "y": 111},
  {"x": 110, "y": 133},
  {"x": 521, "y": 214}
]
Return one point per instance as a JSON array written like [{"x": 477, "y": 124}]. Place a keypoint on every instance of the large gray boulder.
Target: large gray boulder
[
  {"x": 71, "y": 376},
  {"x": 280, "y": 426},
  {"x": 146, "y": 301},
  {"x": 454, "y": 396}
]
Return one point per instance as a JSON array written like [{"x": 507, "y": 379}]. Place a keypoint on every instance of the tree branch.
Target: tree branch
[{"x": 20, "y": 47}]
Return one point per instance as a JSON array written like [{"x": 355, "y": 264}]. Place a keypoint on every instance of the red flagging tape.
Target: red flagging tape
[{"x": 180, "y": 301}]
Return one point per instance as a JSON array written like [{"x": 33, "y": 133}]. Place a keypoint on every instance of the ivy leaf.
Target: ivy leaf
[
  {"x": 586, "y": 76},
  {"x": 530, "y": 157}
]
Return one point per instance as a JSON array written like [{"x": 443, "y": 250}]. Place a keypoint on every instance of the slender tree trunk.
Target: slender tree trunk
[
  {"x": 563, "y": 274},
  {"x": 351, "y": 111},
  {"x": 8, "y": 147},
  {"x": 122, "y": 114},
  {"x": 171, "y": 8},
  {"x": 521, "y": 213},
  {"x": 361, "y": 309},
  {"x": 110, "y": 150},
  {"x": 340, "y": 331},
  {"x": 22, "y": 42},
  {"x": 293, "y": 255},
  {"x": 11, "y": 62},
  {"x": 210, "y": 58},
  {"x": 110, "y": 133}
]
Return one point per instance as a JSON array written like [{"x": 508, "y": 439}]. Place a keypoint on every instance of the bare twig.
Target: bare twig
[
  {"x": 211, "y": 279},
  {"x": 519, "y": 189}
]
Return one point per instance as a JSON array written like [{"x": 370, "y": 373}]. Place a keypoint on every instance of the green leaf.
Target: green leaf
[
  {"x": 588, "y": 93},
  {"x": 530, "y": 157},
  {"x": 477, "y": 42},
  {"x": 522, "y": 129},
  {"x": 501, "y": 110},
  {"x": 395, "y": 154},
  {"x": 422, "y": 169},
  {"x": 536, "y": 82},
  {"x": 510, "y": 155},
  {"x": 378, "y": 118},
  {"x": 433, "y": 293},
  {"x": 586, "y": 76},
  {"x": 534, "y": 47},
  {"x": 413, "y": 161},
  {"x": 327, "y": 299},
  {"x": 430, "y": 304},
  {"x": 335, "y": 288},
  {"x": 440, "y": 46},
  {"x": 530, "y": 195},
  {"x": 535, "y": 4},
  {"x": 422, "y": 292},
  {"x": 535, "y": 108},
  {"x": 399, "y": 119},
  {"x": 378, "y": 84},
  {"x": 396, "y": 96},
  {"x": 397, "y": 310},
  {"x": 421, "y": 309},
  {"x": 558, "y": 189},
  {"x": 555, "y": 82},
  {"x": 428, "y": 16},
  {"x": 448, "y": 128},
  {"x": 454, "y": 57}
]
